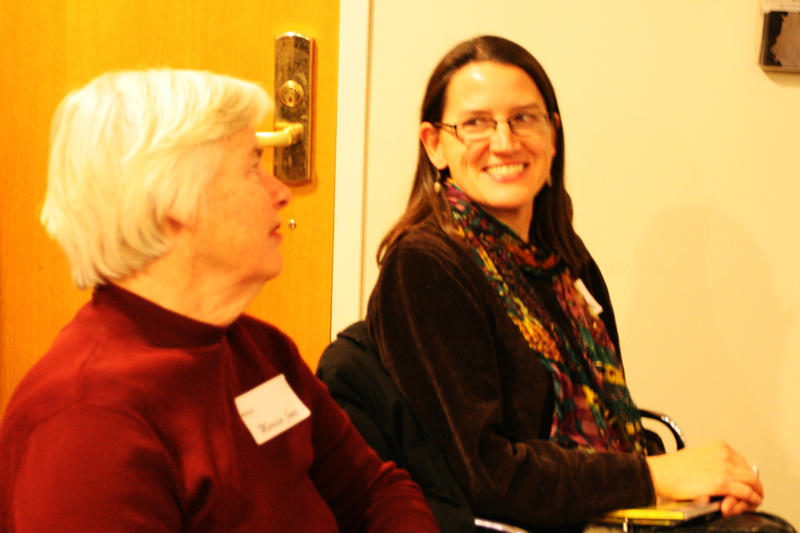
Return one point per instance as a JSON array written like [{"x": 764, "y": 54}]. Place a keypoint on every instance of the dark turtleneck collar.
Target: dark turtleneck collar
[{"x": 156, "y": 325}]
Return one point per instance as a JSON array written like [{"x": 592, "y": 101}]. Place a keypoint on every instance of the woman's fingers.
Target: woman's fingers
[
  {"x": 756, "y": 482},
  {"x": 712, "y": 470},
  {"x": 731, "y": 506},
  {"x": 745, "y": 484},
  {"x": 750, "y": 492}
]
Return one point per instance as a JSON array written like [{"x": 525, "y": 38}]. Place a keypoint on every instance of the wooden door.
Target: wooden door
[{"x": 51, "y": 47}]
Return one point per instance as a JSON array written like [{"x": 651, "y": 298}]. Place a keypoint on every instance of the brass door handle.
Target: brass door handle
[
  {"x": 293, "y": 135},
  {"x": 286, "y": 136}
]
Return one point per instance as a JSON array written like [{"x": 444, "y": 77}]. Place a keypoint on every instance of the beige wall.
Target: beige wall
[{"x": 683, "y": 160}]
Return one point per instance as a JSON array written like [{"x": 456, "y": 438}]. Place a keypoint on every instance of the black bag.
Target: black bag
[{"x": 748, "y": 522}]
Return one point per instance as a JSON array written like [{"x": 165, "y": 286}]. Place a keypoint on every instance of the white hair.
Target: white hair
[{"x": 127, "y": 150}]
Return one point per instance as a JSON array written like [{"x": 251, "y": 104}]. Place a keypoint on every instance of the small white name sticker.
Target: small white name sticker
[
  {"x": 270, "y": 409},
  {"x": 594, "y": 307}
]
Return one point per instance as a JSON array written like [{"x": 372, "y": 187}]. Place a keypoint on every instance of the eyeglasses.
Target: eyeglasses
[{"x": 481, "y": 128}]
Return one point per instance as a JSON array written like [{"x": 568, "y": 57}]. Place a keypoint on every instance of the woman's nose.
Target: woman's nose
[
  {"x": 279, "y": 192},
  {"x": 503, "y": 139}
]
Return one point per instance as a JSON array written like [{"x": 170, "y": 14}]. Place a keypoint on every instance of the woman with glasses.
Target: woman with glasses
[{"x": 495, "y": 322}]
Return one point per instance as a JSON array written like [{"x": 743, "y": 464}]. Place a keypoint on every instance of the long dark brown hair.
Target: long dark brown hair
[{"x": 551, "y": 225}]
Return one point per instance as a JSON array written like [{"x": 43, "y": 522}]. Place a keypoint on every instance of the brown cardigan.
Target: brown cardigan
[{"x": 445, "y": 338}]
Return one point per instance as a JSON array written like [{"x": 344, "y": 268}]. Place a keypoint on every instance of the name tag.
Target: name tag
[
  {"x": 270, "y": 409},
  {"x": 594, "y": 307}
]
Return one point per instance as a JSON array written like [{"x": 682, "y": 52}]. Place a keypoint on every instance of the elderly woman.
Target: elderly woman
[
  {"x": 495, "y": 323},
  {"x": 160, "y": 406}
]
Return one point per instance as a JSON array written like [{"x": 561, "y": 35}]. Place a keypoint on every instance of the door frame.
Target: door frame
[{"x": 347, "y": 291}]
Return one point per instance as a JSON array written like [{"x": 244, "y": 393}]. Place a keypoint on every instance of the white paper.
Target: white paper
[
  {"x": 790, "y": 6},
  {"x": 594, "y": 307},
  {"x": 270, "y": 409}
]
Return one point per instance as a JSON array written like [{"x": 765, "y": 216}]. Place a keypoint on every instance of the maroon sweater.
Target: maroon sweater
[{"x": 129, "y": 424}]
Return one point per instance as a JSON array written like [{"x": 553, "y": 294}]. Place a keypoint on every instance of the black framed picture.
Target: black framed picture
[{"x": 780, "y": 42}]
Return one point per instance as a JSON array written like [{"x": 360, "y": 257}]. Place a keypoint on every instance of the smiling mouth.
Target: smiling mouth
[{"x": 505, "y": 171}]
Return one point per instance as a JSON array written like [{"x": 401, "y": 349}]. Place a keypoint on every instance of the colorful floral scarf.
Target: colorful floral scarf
[{"x": 593, "y": 407}]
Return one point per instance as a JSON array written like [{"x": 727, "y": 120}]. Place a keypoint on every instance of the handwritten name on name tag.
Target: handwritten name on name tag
[{"x": 270, "y": 409}]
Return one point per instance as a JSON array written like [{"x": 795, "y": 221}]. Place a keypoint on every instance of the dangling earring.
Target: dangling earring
[{"x": 437, "y": 182}]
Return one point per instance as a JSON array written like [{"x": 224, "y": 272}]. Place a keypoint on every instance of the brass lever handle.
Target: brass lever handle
[{"x": 286, "y": 136}]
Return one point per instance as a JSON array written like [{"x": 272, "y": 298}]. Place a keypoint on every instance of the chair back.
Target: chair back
[{"x": 352, "y": 370}]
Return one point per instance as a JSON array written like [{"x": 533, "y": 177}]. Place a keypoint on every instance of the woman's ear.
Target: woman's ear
[
  {"x": 174, "y": 224},
  {"x": 429, "y": 135}
]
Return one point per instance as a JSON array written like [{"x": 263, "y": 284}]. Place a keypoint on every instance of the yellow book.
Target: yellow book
[{"x": 667, "y": 513}]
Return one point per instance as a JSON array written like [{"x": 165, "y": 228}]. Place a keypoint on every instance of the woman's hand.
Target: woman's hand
[{"x": 701, "y": 472}]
